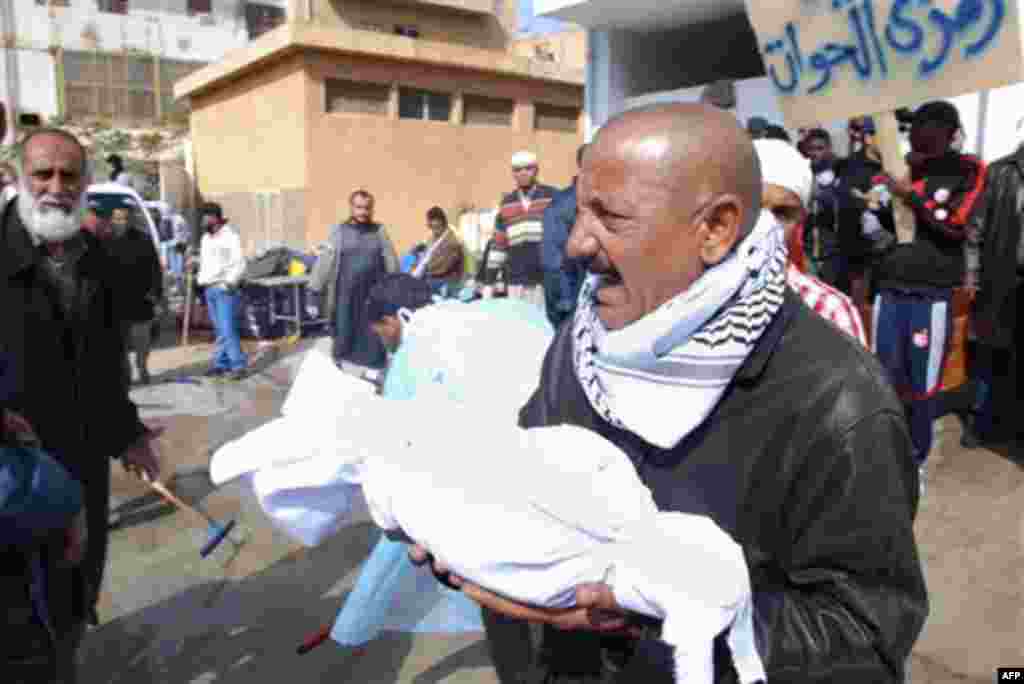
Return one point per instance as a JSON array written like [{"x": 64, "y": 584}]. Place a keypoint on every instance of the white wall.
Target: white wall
[
  {"x": 37, "y": 91},
  {"x": 149, "y": 25},
  {"x": 162, "y": 26},
  {"x": 1004, "y": 111}
]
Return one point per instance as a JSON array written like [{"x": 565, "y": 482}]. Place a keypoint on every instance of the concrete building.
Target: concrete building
[
  {"x": 115, "y": 59},
  {"x": 422, "y": 103},
  {"x": 651, "y": 51}
]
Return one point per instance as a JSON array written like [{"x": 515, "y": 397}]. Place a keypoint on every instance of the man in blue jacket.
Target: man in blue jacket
[
  {"x": 562, "y": 276},
  {"x": 42, "y": 533}
]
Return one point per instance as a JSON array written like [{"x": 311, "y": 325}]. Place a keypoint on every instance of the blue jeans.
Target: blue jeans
[
  {"x": 224, "y": 307},
  {"x": 911, "y": 339}
]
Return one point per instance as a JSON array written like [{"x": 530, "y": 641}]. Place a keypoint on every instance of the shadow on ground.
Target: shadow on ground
[{"x": 247, "y": 630}]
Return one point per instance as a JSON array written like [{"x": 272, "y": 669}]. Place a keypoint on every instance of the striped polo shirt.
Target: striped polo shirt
[
  {"x": 827, "y": 302},
  {"x": 519, "y": 230}
]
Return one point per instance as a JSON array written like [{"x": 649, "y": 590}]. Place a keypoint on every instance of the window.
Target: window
[
  {"x": 478, "y": 110},
  {"x": 119, "y": 87},
  {"x": 200, "y": 6},
  {"x": 556, "y": 118},
  {"x": 424, "y": 105},
  {"x": 352, "y": 97},
  {"x": 262, "y": 18},
  {"x": 113, "y": 6}
]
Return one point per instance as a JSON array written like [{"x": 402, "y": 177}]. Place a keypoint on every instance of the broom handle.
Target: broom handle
[
  {"x": 188, "y": 303},
  {"x": 160, "y": 489}
]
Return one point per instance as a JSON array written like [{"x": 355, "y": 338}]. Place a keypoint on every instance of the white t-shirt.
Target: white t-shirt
[{"x": 221, "y": 261}]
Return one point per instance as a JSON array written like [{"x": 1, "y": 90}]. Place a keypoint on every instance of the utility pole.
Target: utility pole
[
  {"x": 57, "y": 52},
  {"x": 157, "y": 92}
]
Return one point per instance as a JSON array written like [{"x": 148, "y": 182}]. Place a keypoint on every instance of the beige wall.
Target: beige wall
[
  {"x": 412, "y": 165},
  {"x": 250, "y": 142},
  {"x": 568, "y": 48},
  {"x": 433, "y": 23}
]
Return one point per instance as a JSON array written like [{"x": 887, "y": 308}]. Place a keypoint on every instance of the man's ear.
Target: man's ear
[{"x": 721, "y": 227}]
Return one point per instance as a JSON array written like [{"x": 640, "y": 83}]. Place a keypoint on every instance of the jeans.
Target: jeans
[{"x": 224, "y": 306}]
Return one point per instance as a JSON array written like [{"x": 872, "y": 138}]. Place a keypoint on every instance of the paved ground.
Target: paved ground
[{"x": 171, "y": 618}]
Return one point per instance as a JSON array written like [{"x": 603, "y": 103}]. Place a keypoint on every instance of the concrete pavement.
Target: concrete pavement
[{"x": 170, "y": 618}]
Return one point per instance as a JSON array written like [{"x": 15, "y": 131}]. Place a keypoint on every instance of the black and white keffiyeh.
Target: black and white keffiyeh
[{"x": 687, "y": 351}]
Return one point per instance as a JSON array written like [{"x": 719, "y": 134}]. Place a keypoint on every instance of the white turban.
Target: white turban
[
  {"x": 524, "y": 159},
  {"x": 783, "y": 165}
]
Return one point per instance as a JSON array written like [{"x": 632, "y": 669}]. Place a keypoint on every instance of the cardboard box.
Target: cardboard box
[{"x": 834, "y": 59}]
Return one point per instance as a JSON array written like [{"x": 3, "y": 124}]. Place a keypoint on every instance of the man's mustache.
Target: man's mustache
[{"x": 65, "y": 204}]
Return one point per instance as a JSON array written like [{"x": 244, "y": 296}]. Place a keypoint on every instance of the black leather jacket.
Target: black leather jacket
[
  {"x": 993, "y": 239},
  {"x": 806, "y": 462},
  {"x": 65, "y": 379}
]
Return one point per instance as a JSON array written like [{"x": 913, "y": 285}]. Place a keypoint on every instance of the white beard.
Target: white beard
[{"x": 46, "y": 223}]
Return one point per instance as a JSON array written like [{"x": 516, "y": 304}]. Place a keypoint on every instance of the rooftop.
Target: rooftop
[
  {"x": 638, "y": 14},
  {"x": 295, "y": 37}
]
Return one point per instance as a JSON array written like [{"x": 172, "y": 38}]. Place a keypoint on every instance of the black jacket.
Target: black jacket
[
  {"x": 854, "y": 175},
  {"x": 66, "y": 379},
  {"x": 994, "y": 233},
  {"x": 935, "y": 259},
  {"x": 806, "y": 462},
  {"x": 139, "y": 275}
]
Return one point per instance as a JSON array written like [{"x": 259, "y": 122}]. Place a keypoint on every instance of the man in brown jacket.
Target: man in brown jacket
[{"x": 443, "y": 262}]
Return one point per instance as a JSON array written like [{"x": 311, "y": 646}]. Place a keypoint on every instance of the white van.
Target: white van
[{"x": 136, "y": 205}]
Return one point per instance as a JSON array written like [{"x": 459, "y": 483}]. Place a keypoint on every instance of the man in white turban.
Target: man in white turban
[{"x": 788, "y": 181}]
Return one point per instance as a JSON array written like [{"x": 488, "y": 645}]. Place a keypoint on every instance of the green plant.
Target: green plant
[{"x": 150, "y": 143}]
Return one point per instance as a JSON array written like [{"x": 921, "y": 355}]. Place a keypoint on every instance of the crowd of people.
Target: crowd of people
[{"x": 705, "y": 287}]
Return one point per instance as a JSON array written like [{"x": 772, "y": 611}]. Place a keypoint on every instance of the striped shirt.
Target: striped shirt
[
  {"x": 828, "y": 303},
  {"x": 519, "y": 231}
]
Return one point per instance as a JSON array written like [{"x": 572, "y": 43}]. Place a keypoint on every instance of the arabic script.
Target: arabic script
[{"x": 914, "y": 30}]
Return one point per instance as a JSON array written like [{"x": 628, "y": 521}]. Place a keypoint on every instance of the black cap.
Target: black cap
[
  {"x": 212, "y": 209},
  {"x": 115, "y": 160},
  {"x": 938, "y": 111}
]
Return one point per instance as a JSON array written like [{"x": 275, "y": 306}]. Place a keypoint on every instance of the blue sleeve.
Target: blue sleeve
[
  {"x": 37, "y": 496},
  {"x": 552, "y": 239}
]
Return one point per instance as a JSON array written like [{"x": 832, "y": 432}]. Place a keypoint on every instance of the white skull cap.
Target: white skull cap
[{"x": 524, "y": 158}]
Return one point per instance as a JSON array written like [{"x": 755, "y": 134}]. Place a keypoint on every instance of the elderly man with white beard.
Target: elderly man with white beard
[{"x": 62, "y": 335}]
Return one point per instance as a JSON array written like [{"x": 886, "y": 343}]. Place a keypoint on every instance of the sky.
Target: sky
[{"x": 528, "y": 23}]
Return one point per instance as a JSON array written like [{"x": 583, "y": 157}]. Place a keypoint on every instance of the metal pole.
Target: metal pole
[{"x": 983, "y": 101}]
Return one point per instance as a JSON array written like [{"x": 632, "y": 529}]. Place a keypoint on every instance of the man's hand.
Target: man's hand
[
  {"x": 140, "y": 458},
  {"x": 596, "y": 609},
  {"x": 902, "y": 188}
]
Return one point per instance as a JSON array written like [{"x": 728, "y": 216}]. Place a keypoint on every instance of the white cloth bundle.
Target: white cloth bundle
[{"x": 531, "y": 516}]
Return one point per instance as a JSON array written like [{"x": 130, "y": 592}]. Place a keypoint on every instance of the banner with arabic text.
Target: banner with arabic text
[{"x": 834, "y": 59}]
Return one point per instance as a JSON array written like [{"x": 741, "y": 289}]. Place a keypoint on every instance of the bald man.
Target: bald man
[{"x": 735, "y": 401}]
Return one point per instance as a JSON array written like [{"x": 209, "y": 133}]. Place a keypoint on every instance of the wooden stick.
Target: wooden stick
[
  {"x": 160, "y": 489},
  {"x": 314, "y": 640},
  {"x": 188, "y": 305}
]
